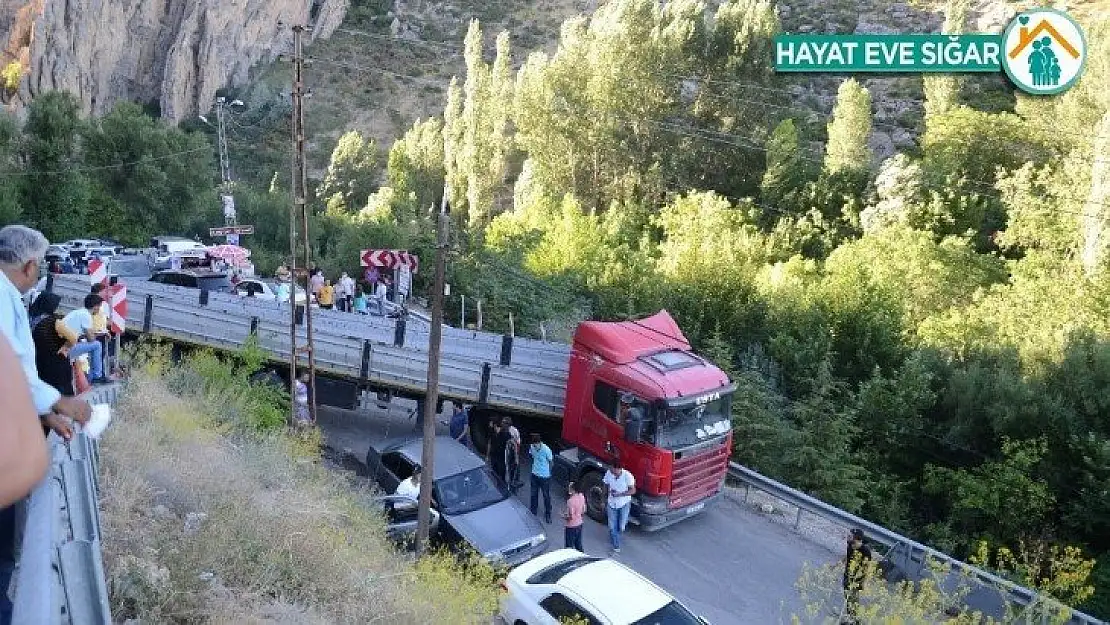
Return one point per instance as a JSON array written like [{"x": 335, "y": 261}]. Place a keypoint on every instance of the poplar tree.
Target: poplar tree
[
  {"x": 849, "y": 130},
  {"x": 942, "y": 91}
]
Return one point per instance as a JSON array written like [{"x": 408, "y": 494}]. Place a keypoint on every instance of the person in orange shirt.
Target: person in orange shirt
[
  {"x": 326, "y": 296},
  {"x": 576, "y": 507}
]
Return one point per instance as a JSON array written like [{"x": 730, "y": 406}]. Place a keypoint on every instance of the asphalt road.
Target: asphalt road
[{"x": 728, "y": 564}]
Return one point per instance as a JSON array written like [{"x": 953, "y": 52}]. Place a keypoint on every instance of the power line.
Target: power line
[{"x": 71, "y": 170}]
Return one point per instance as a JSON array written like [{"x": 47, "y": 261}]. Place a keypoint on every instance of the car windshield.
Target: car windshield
[
  {"x": 469, "y": 491},
  {"x": 689, "y": 424},
  {"x": 671, "y": 614}
]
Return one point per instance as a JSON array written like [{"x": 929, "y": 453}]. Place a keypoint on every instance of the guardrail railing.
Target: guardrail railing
[
  {"x": 59, "y": 578},
  {"x": 989, "y": 593}
]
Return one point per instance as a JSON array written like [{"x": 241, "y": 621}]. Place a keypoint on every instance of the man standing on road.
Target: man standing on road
[
  {"x": 576, "y": 507},
  {"x": 498, "y": 451},
  {"x": 621, "y": 486},
  {"x": 856, "y": 567},
  {"x": 346, "y": 292},
  {"x": 541, "y": 476},
  {"x": 460, "y": 424}
]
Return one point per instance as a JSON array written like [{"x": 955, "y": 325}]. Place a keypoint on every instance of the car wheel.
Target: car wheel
[{"x": 592, "y": 487}]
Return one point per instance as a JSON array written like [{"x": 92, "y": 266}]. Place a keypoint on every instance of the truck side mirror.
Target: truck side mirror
[{"x": 633, "y": 430}]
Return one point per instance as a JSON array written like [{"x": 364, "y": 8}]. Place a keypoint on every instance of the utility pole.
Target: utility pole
[
  {"x": 431, "y": 396},
  {"x": 300, "y": 201}
]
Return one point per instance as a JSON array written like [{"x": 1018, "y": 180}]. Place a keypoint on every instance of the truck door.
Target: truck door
[{"x": 604, "y": 431}]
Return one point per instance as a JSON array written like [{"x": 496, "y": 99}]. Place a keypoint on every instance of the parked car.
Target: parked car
[
  {"x": 476, "y": 508},
  {"x": 568, "y": 585},
  {"x": 264, "y": 290},
  {"x": 194, "y": 279},
  {"x": 56, "y": 253},
  {"x": 400, "y": 518},
  {"x": 79, "y": 249}
]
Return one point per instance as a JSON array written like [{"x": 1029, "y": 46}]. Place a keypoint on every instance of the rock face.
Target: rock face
[{"x": 174, "y": 52}]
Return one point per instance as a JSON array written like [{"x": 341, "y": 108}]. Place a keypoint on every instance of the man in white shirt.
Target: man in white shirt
[
  {"x": 80, "y": 322},
  {"x": 621, "y": 486},
  {"x": 380, "y": 292},
  {"x": 409, "y": 488},
  {"x": 345, "y": 290}
]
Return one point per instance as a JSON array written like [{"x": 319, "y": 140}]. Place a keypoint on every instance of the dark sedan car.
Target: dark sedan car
[{"x": 474, "y": 506}]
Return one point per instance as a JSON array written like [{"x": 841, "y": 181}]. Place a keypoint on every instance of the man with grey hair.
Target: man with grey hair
[{"x": 21, "y": 251}]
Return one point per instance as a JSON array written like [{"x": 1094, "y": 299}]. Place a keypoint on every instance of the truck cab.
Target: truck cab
[{"x": 636, "y": 391}]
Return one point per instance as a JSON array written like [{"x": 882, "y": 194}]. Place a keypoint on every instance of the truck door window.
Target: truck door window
[
  {"x": 606, "y": 399},
  {"x": 560, "y": 607}
]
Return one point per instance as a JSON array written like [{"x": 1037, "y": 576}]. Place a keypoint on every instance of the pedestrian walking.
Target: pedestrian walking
[
  {"x": 620, "y": 486},
  {"x": 857, "y": 563},
  {"x": 576, "y": 508},
  {"x": 512, "y": 455},
  {"x": 542, "y": 458}
]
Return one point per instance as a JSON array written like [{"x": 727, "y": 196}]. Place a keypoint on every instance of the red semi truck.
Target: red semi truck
[{"x": 674, "y": 436}]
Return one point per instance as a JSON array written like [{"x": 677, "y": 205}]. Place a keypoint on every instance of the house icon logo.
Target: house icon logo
[{"x": 1044, "y": 51}]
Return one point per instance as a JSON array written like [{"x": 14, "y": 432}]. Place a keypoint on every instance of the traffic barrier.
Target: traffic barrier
[
  {"x": 60, "y": 575},
  {"x": 989, "y": 593}
]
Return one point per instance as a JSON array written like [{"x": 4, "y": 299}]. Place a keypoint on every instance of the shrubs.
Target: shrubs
[{"x": 212, "y": 514}]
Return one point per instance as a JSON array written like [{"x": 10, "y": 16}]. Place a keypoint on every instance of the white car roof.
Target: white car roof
[{"x": 615, "y": 591}]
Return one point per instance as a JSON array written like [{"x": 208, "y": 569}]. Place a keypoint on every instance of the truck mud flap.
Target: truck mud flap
[{"x": 336, "y": 393}]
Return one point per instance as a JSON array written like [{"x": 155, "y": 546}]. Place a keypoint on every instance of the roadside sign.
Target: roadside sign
[
  {"x": 224, "y": 231},
  {"x": 116, "y": 296},
  {"x": 389, "y": 259},
  {"x": 233, "y": 239},
  {"x": 98, "y": 271}
]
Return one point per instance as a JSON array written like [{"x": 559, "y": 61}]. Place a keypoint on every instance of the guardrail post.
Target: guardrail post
[
  {"x": 49, "y": 283},
  {"x": 506, "y": 349},
  {"x": 483, "y": 386},
  {"x": 204, "y": 297},
  {"x": 399, "y": 332},
  {"x": 148, "y": 314},
  {"x": 254, "y": 326},
  {"x": 364, "y": 370},
  {"x": 798, "y": 519}
]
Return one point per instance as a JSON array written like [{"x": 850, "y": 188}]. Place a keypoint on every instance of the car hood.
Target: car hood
[{"x": 497, "y": 527}]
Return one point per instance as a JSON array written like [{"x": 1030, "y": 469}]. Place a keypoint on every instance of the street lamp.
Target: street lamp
[{"x": 226, "y": 198}]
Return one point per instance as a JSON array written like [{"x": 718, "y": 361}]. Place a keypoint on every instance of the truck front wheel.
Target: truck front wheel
[{"x": 592, "y": 487}]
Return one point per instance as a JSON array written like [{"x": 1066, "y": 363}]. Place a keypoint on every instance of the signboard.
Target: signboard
[
  {"x": 404, "y": 280},
  {"x": 389, "y": 259},
  {"x": 233, "y": 239},
  {"x": 228, "y": 202},
  {"x": 98, "y": 271},
  {"x": 223, "y": 231},
  {"x": 116, "y": 296}
]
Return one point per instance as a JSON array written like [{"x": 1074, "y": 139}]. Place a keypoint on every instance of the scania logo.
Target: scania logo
[{"x": 705, "y": 399}]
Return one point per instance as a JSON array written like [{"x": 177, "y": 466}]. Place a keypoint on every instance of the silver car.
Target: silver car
[{"x": 474, "y": 506}]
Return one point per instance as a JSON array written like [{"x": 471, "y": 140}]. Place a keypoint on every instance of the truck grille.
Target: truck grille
[{"x": 698, "y": 473}]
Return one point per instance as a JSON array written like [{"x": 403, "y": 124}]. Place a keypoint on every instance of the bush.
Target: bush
[{"x": 208, "y": 517}]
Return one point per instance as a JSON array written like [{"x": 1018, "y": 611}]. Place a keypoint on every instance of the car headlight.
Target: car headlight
[{"x": 538, "y": 540}]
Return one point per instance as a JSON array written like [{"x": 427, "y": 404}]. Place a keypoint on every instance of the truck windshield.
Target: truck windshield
[{"x": 685, "y": 425}]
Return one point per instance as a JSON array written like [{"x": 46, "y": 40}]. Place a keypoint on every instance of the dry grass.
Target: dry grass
[{"x": 205, "y": 523}]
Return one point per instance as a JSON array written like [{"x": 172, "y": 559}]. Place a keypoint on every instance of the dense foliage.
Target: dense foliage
[{"x": 924, "y": 340}]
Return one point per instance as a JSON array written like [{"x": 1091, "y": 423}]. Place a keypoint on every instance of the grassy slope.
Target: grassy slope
[{"x": 206, "y": 523}]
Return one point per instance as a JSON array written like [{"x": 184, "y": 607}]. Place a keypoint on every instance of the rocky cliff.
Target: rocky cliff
[{"x": 173, "y": 52}]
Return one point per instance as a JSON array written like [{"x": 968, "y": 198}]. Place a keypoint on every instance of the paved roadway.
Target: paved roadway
[{"x": 728, "y": 564}]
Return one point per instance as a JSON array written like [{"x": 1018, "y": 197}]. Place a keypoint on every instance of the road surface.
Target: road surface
[{"x": 728, "y": 564}]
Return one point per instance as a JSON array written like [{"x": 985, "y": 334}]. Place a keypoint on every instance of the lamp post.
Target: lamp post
[{"x": 223, "y": 105}]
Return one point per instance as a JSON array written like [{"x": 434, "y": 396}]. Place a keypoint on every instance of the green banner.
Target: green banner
[{"x": 888, "y": 53}]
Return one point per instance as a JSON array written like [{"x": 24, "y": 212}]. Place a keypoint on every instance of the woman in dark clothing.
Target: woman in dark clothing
[{"x": 51, "y": 346}]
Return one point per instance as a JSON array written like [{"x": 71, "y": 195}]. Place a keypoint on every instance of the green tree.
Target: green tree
[
  {"x": 415, "y": 169},
  {"x": 942, "y": 91},
  {"x": 787, "y": 167},
  {"x": 148, "y": 177},
  {"x": 848, "y": 148},
  {"x": 10, "y": 209},
  {"x": 56, "y": 190},
  {"x": 352, "y": 171}
]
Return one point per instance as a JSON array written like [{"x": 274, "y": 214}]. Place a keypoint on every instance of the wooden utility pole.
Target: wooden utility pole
[
  {"x": 293, "y": 254},
  {"x": 300, "y": 206},
  {"x": 431, "y": 396}
]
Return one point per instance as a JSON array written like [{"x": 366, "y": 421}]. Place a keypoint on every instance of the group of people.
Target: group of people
[
  {"x": 504, "y": 456},
  {"x": 30, "y": 406},
  {"x": 344, "y": 294}
]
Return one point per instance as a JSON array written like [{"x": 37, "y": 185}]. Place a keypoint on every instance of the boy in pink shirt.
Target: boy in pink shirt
[{"x": 576, "y": 507}]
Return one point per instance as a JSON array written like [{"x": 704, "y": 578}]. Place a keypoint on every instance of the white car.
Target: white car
[
  {"x": 260, "y": 289},
  {"x": 568, "y": 584}
]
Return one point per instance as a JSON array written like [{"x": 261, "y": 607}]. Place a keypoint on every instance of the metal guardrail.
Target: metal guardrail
[
  {"x": 989, "y": 594},
  {"x": 59, "y": 578}
]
